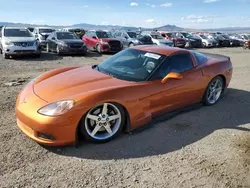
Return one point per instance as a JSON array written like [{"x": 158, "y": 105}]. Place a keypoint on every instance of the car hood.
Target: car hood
[
  {"x": 20, "y": 39},
  {"x": 69, "y": 41},
  {"x": 74, "y": 82}
]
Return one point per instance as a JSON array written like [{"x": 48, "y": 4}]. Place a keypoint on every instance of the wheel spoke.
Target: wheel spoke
[
  {"x": 96, "y": 129},
  {"x": 114, "y": 117},
  {"x": 105, "y": 109},
  {"x": 108, "y": 128},
  {"x": 214, "y": 96},
  {"x": 218, "y": 89},
  {"x": 216, "y": 83},
  {"x": 93, "y": 117}
]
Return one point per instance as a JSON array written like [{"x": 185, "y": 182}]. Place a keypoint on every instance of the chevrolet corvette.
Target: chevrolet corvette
[{"x": 122, "y": 93}]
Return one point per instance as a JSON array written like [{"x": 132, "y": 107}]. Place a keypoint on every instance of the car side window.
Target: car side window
[
  {"x": 178, "y": 63},
  {"x": 200, "y": 58}
]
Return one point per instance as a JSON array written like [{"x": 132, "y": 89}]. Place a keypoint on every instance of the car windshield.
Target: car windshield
[
  {"x": 66, "y": 35},
  {"x": 204, "y": 36},
  {"x": 186, "y": 35},
  {"x": 132, "y": 34},
  {"x": 46, "y": 30},
  {"x": 103, "y": 34},
  {"x": 156, "y": 36},
  {"x": 17, "y": 33},
  {"x": 131, "y": 65}
]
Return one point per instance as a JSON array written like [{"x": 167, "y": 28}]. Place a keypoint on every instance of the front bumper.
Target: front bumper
[
  {"x": 108, "y": 48},
  {"x": 61, "y": 129},
  {"x": 68, "y": 50},
  {"x": 18, "y": 50}
]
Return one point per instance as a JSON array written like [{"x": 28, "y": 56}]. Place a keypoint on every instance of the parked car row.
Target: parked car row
[{"x": 20, "y": 40}]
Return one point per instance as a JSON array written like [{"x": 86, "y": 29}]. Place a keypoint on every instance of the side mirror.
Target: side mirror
[
  {"x": 94, "y": 37},
  {"x": 126, "y": 37},
  {"x": 171, "y": 75}
]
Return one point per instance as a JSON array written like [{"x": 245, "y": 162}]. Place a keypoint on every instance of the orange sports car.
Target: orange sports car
[{"x": 122, "y": 93}]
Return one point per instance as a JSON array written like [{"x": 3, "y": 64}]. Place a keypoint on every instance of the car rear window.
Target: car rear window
[{"x": 200, "y": 58}]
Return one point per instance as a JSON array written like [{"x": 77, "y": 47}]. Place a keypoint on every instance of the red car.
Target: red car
[
  {"x": 178, "y": 42},
  {"x": 101, "y": 41}
]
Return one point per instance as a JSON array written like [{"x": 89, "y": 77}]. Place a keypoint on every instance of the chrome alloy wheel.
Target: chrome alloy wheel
[
  {"x": 214, "y": 91},
  {"x": 103, "y": 121}
]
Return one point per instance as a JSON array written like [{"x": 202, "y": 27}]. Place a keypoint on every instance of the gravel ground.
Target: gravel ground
[{"x": 205, "y": 147}]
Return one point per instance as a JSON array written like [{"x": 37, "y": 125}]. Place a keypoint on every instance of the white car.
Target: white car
[
  {"x": 157, "y": 38},
  {"x": 207, "y": 42},
  {"x": 18, "y": 41},
  {"x": 42, "y": 33}
]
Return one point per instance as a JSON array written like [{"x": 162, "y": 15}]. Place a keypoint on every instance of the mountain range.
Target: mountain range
[{"x": 108, "y": 27}]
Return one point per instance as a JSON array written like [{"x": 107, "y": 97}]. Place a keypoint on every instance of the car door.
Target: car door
[
  {"x": 53, "y": 41},
  {"x": 175, "y": 93}
]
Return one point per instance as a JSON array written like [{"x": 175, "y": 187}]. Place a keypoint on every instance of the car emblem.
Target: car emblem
[
  {"x": 23, "y": 100},
  {"x": 24, "y": 44}
]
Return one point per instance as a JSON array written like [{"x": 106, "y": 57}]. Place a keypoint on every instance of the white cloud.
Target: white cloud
[
  {"x": 149, "y": 20},
  {"x": 167, "y": 5},
  {"x": 210, "y": 1},
  {"x": 153, "y": 6},
  {"x": 104, "y": 23},
  {"x": 133, "y": 4},
  {"x": 198, "y": 19},
  {"x": 85, "y": 6}
]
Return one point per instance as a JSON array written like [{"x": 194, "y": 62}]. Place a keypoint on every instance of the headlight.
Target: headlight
[
  {"x": 192, "y": 40},
  {"x": 8, "y": 43},
  {"x": 103, "y": 42},
  {"x": 56, "y": 108}
]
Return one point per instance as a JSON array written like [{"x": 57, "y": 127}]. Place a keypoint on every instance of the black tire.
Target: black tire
[
  {"x": 5, "y": 56},
  {"x": 98, "y": 48},
  {"x": 206, "y": 101},
  {"x": 83, "y": 131},
  {"x": 131, "y": 45},
  {"x": 203, "y": 45},
  {"x": 58, "y": 50}
]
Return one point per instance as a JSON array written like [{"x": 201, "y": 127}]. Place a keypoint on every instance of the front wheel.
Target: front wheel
[
  {"x": 47, "y": 48},
  {"x": 214, "y": 91},
  {"x": 58, "y": 50},
  {"x": 103, "y": 122}
]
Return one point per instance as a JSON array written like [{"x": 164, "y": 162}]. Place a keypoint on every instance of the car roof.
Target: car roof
[
  {"x": 160, "y": 49},
  {"x": 8, "y": 27}
]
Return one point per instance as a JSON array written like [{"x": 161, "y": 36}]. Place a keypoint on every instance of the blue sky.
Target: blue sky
[{"x": 144, "y": 13}]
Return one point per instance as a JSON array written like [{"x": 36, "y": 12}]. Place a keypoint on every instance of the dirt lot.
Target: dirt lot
[{"x": 205, "y": 147}]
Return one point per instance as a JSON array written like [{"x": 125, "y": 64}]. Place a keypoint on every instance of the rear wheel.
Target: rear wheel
[
  {"x": 214, "y": 91},
  {"x": 103, "y": 122}
]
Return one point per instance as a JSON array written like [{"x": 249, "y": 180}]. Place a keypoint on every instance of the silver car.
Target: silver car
[
  {"x": 207, "y": 42},
  {"x": 18, "y": 41},
  {"x": 42, "y": 33}
]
